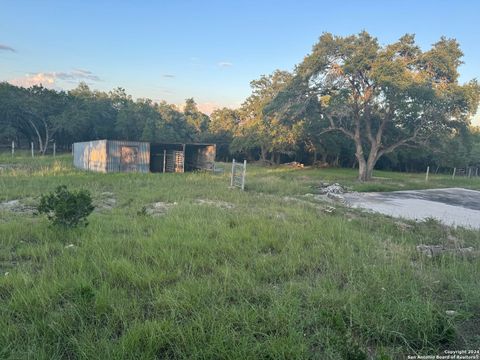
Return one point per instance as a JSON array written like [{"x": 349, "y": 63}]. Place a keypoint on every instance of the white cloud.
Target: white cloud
[
  {"x": 224, "y": 64},
  {"x": 51, "y": 79}
]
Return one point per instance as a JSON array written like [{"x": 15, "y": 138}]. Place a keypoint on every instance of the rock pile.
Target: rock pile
[
  {"x": 158, "y": 208},
  {"x": 336, "y": 188},
  {"x": 437, "y": 250}
]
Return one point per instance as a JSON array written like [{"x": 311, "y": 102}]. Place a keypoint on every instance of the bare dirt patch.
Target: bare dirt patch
[
  {"x": 23, "y": 206},
  {"x": 105, "y": 201}
]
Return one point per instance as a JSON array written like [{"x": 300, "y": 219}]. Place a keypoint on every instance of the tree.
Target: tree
[
  {"x": 382, "y": 98},
  {"x": 262, "y": 129},
  {"x": 33, "y": 112},
  {"x": 195, "y": 118},
  {"x": 221, "y": 130}
]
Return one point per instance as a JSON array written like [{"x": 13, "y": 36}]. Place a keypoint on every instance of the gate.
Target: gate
[
  {"x": 238, "y": 174},
  {"x": 174, "y": 161}
]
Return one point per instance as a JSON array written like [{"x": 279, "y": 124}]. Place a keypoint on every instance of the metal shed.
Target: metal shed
[{"x": 134, "y": 156}]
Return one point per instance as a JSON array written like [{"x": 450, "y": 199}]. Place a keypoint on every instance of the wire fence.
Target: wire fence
[{"x": 31, "y": 149}]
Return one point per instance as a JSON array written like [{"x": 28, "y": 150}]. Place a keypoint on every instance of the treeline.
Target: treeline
[
  {"x": 44, "y": 116},
  {"x": 350, "y": 103}
]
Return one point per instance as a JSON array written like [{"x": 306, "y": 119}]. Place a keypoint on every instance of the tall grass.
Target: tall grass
[{"x": 269, "y": 278}]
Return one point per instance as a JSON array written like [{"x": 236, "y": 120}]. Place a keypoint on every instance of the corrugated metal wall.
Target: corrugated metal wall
[
  {"x": 90, "y": 155},
  {"x": 112, "y": 156},
  {"x": 128, "y": 156}
]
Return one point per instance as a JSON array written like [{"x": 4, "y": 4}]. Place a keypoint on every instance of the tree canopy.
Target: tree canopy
[
  {"x": 380, "y": 97},
  {"x": 350, "y": 102}
]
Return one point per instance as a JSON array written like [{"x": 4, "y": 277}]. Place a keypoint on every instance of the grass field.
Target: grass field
[{"x": 225, "y": 274}]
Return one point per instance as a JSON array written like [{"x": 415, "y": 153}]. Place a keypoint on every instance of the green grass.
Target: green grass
[{"x": 271, "y": 278}]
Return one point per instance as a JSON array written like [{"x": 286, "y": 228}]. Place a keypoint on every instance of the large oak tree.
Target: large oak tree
[{"x": 381, "y": 97}]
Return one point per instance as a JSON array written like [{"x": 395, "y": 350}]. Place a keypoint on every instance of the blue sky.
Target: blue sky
[{"x": 209, "y": 50}]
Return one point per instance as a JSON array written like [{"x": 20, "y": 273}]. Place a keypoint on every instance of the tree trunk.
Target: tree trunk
[
  {"x": 263, "y": 154},
  {"x": 47, "y": 138},
  {"x": 362, "y": 169},
  {"x": 362, "y": 163},
  {"x": 372, "y": 160},
  {"x": 365, "y": 168},
  {"x": 40, "y": 142}
]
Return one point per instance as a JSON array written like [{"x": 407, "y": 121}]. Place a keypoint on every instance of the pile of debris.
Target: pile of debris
[
  {"x": 321, "y": 164},
  {"x": 437, "y": 250},
  {"x": 332, "y": 191},
  {"x": 327, "y": 188},
  {"x": 294, "y": 164}
]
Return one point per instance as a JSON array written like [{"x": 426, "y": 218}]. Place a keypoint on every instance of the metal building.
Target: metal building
[{"x": 134, "y": 156}]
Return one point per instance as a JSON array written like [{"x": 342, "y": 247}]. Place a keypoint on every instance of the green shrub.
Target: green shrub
[{"x": 67, "y": 208}]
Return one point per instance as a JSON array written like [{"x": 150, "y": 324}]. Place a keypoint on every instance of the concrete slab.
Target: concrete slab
[{"x": 451, "y": 206}]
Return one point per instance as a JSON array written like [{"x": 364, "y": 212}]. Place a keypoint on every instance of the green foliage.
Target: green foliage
[
  {"x": 66, "y": 208},
  {"x": 380, "y": 97}
]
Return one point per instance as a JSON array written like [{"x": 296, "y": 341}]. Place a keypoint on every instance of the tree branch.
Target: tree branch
[{"x": 334, "y": 127}]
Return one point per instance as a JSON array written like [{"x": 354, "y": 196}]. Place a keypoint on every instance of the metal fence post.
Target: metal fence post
[
  {"x": 454, "y": 171},
  {"x": 469, "y": 172},
  {"x": 244, "y": 172},
  {"x": 54, "y": 149},
  {"x": 428, "y": 171},
  {"x": 32, "y": 149},
  {"x": 13, "y": 148},
  {"x": 233, "y": 172},
  {"x": 164, "y": 159}
]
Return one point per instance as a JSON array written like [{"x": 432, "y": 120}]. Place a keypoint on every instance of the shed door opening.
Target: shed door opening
[
  {"x": 157, "y": 154},
  {"x": 166, "y": 158}
]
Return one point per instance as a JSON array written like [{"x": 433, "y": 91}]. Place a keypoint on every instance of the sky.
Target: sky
[{"x": 208, "y": 50}]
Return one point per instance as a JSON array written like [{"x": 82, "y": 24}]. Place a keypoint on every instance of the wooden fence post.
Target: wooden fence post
[
  {"x": 54, "y": 149},
  {"x": 454, "y": 171},
  {"x": 13, "y": 148},
  {"x": 428, "y": 171}
]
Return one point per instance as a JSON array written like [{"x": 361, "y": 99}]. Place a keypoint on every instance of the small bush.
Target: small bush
[{"x": 67, "y": 208}]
